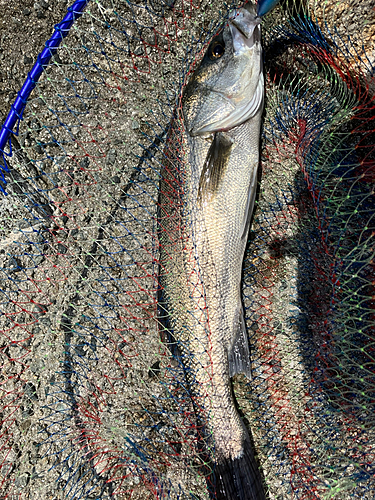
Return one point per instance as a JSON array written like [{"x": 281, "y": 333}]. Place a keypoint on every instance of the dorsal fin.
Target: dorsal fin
[
  {"x": 239, "y": 352},
  {"x": 250, "y": 203}
]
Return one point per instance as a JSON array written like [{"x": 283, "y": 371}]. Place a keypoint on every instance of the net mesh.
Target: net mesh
[{"x": 94, "y": 405}]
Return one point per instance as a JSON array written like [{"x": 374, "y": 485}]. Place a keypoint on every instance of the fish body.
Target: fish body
[{"x": 206, "y": 200}]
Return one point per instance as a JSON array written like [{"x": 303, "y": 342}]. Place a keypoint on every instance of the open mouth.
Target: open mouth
[
  {"x": 245, "y": 30},
  {"x": 240, "y": 28}
]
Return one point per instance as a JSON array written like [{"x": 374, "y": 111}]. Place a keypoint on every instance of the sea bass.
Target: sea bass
[{"x": 206, "y": 199}]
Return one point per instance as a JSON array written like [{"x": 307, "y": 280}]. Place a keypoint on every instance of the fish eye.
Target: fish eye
[{"x": 217, "y": 49}]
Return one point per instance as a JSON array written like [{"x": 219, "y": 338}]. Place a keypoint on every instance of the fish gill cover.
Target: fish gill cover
[{"x": 94, "y": 405}]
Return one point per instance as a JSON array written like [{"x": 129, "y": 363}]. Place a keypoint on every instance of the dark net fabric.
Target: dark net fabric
[{"x": 93, "y": 403}]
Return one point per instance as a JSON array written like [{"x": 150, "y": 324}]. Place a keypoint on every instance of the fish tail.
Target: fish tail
[{"x": 237, "y": 479}]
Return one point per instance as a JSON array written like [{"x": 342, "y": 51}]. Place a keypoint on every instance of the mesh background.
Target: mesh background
[{"x": 92, "y": 401}]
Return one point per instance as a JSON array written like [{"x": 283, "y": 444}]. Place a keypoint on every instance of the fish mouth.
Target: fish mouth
[{"x": 245, "y": 31}]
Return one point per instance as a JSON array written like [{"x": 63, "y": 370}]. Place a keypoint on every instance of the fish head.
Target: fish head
[{"x": 227, "y": 88}]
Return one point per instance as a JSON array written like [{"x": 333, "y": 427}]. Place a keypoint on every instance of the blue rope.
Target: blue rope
[{"x": 15, "y": 114}]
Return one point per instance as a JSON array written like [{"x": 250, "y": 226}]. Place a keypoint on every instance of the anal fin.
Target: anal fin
[{"x": 239, "y": 352}]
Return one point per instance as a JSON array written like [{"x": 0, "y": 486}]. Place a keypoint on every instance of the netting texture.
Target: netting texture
[{"x": 93, "y": 401}]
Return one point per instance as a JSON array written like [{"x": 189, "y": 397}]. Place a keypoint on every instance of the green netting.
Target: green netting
[{"x": 94, "y": 404}]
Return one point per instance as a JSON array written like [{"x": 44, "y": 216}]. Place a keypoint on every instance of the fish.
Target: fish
[{"x": 207, "y": 193}]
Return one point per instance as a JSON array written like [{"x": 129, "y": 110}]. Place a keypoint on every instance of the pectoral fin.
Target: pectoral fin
[
  {"x": 214, "y": 166},
  {"x": 239, "y": 352}
]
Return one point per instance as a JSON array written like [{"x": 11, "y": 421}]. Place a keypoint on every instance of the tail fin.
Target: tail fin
[{"x": 238, "y": 479}]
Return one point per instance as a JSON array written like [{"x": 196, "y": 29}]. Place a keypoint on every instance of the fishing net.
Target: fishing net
[{"x": 94, "y": 404}]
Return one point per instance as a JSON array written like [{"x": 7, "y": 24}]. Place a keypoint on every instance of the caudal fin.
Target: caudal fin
[{"x": 238, "y": 479}]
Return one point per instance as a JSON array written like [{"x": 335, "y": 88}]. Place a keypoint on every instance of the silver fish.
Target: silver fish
[{"x": 206, "y": 200}]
